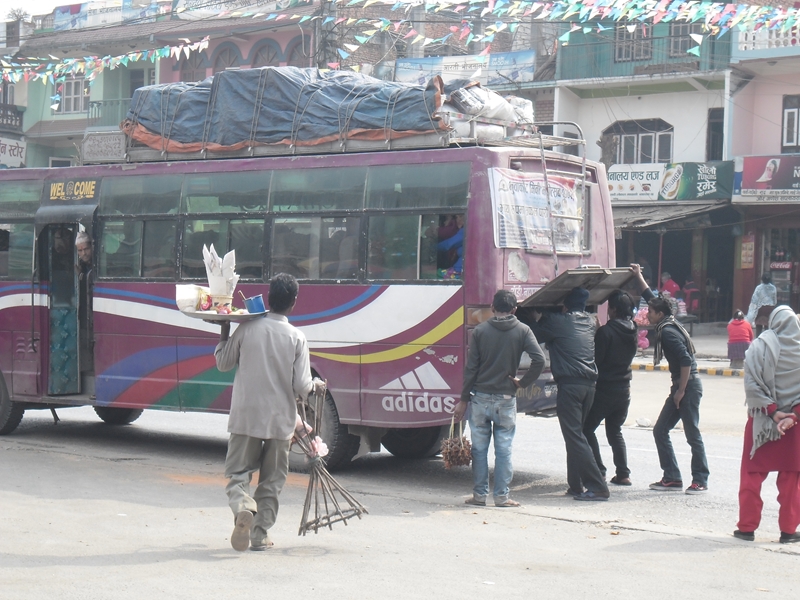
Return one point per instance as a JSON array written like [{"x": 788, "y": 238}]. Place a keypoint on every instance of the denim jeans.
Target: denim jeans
[
  {"x": 492, "y": 414},
  {"x": 689, "y": 414}
]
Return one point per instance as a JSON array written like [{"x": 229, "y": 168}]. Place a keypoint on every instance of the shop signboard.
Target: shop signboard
[
  {"x": 767, "y": 179},
  {"x": 635, "y": 182},
  {"x": 12, "y": 153},
  {"x": 671, "y": 182}
]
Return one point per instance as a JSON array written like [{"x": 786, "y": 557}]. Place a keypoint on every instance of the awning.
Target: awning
[
  {"x": 68, "y": 213},
  {"x": 599, "y": 282},
  {"x": 674, "y": 215}
]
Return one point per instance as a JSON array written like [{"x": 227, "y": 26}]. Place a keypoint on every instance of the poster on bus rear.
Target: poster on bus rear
[{"x": 527, "y": 216}]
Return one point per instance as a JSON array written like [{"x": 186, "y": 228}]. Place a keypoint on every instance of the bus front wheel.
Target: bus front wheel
[
  {"x": 420, "y": 442},
  {"x": 10, "y": 412},
  {"x": 118, "y": 416}
]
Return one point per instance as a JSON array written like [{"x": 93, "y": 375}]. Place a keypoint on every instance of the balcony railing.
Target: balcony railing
[
  {"x": 767, "y": 39},
  {"x": 10, "y": 119},
  {"x": 108, "y": 113}
]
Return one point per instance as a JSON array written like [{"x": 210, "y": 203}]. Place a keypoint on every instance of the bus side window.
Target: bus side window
[
  {"x": 5, "y": 238},
  {"x": 20, "y": 255},
  {"x": 159, "y": 249},
  {"x": 247, "y": 238},
  {"x": 393, "y": 244},
  {"x": 197, "y": 234},
  {"x": 120, "y": 249}
]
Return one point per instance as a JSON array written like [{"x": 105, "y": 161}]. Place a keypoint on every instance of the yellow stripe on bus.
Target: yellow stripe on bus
[{"x": 446, "y": 327}]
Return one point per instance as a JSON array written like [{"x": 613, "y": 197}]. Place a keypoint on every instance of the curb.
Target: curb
[{"x": 701, "y": 370}]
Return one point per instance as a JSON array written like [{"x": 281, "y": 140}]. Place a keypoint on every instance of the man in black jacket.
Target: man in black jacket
[
  {"x": 683, "y": 402},
  {"x": 614, "y": 348},
  {"x": 569, "y": 336},
  {"x": 490, "y": 387}
]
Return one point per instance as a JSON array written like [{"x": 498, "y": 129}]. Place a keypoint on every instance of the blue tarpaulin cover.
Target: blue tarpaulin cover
[{"x": 280, "y": 105}]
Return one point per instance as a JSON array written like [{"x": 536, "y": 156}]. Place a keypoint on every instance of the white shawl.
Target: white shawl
[{"x": 772, "y": 374}]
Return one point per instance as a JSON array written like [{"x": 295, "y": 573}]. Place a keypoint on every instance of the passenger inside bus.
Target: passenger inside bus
[
  {"x": 450, "y": 246},
  {"x": 83, "y": 244}
]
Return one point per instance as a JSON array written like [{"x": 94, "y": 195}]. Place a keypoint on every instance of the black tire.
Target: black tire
[
  {"x": 118, "y": 416},
  {"x": 10, "y": 412},
  {"x": 419, "y": 442},
  {"x": 342, "y": 446}
]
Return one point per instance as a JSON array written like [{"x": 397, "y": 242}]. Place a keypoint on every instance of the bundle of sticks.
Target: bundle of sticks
[
  {"x": 330, "y": 501},
  {"x": 456, "y": 450}
]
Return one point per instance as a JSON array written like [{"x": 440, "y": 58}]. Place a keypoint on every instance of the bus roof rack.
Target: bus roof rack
[{"x": 102, "y": 147}]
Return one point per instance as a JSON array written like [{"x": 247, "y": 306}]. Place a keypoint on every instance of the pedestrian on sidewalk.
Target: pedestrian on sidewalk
[
  {"x": 272, "y": 369},
  {"x": 615, "y": 346},
  {"x": 765, "y": 294},
  {"x": 683, "y": 403},
  {"x": 569, "y": 336},
  {"x": 740, "y": 335},
  {"x": 771, "y": 442},
  {"x": 490, "y": 388}
]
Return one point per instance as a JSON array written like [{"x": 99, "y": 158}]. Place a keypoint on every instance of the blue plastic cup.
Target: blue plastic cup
[{"x": 255, "y": 304}]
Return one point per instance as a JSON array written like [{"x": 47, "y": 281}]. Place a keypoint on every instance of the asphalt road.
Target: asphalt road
[{"x": 90, "y": 511}]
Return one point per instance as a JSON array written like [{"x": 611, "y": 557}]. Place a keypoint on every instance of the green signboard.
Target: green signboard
[{"x": 697, "y": 181}]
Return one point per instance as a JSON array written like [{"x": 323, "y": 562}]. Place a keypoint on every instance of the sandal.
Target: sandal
[
  {"x": 475, "y": 502},
  {"x": 617, "y": 480},
  {"x": 509, "y": 503}
]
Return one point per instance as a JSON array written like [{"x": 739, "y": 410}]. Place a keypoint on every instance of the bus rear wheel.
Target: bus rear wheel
[
  {"x": 342, "y": 446},
  {"x": 10, "y": 412},
  {"x": 118, "y": 416},
  {"x": 419, "y": 442}
]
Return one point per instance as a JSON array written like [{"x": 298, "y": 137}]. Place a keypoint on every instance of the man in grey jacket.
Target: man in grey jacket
[
  {"x": 490, "y": 387},
  {"x": 569, "y": 336},
  {"x": 273, "y": 369}
]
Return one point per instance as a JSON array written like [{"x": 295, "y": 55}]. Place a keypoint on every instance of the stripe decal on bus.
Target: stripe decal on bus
[
  {"x": 371, "y": 291},
  {"x": 449, "y": 325}
]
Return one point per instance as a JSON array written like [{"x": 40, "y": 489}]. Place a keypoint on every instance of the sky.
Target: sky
[{"x": 33, "y": 7}]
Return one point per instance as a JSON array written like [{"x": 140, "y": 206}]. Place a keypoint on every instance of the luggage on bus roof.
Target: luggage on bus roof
[{"x": 598, "y": 281}]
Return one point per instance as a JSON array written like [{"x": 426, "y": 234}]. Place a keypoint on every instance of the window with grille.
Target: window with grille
[
  {"x": 193, "y": 69},
  {"x": 642, "y": 141},
  {"x": 632, "y": 45},
  {"x": 226, "y": 59},
  {"x": 297, "y": 57},
  {"x": 74, "y": 94},
  {"x": 679, "y": 38},
  {"x": 267, "y": 56}
]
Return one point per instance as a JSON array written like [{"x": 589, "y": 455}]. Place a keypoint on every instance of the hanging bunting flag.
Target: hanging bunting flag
[
  {"x": 342, "y": 53},
  {"x": 695, "y": 51},
  {"x": 698, "y": 39},
  {"x": 351, "y": 47}
]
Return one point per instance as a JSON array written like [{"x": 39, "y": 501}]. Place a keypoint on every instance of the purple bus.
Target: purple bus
[{"x": 398, "y": 254}]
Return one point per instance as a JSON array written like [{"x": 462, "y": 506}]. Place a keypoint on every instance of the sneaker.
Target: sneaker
[
  {"x": 696, "y": 488},
  {"x": 665, "y": 485},
  {"x": 240, "y": 538}
]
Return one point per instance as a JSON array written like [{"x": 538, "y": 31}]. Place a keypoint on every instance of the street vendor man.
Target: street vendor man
[{"x": 273, "y": 369}]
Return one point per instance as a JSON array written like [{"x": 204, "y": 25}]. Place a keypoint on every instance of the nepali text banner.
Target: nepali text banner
[
  {"x": 768, "y": 179},
  {"x": 12, "y": 152},
  {"x": 526, "y": 213}
]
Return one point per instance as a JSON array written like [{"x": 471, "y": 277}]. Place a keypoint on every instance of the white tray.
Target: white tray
[{"x": 210, "y": 315}]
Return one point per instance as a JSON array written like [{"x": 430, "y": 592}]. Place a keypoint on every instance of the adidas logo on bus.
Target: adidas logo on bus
[{"x": 424, "y": 377}]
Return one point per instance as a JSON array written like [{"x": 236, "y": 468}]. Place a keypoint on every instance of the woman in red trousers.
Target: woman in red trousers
[{"x": 771, "y": 442}]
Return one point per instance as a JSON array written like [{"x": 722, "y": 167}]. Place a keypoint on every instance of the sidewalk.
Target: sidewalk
[{"x": 712, "y": 356}]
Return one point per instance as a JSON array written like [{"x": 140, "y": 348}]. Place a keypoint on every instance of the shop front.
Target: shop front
[
  {"x": 677, "y": 218},
  {"x": 767, "y": 194}
]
